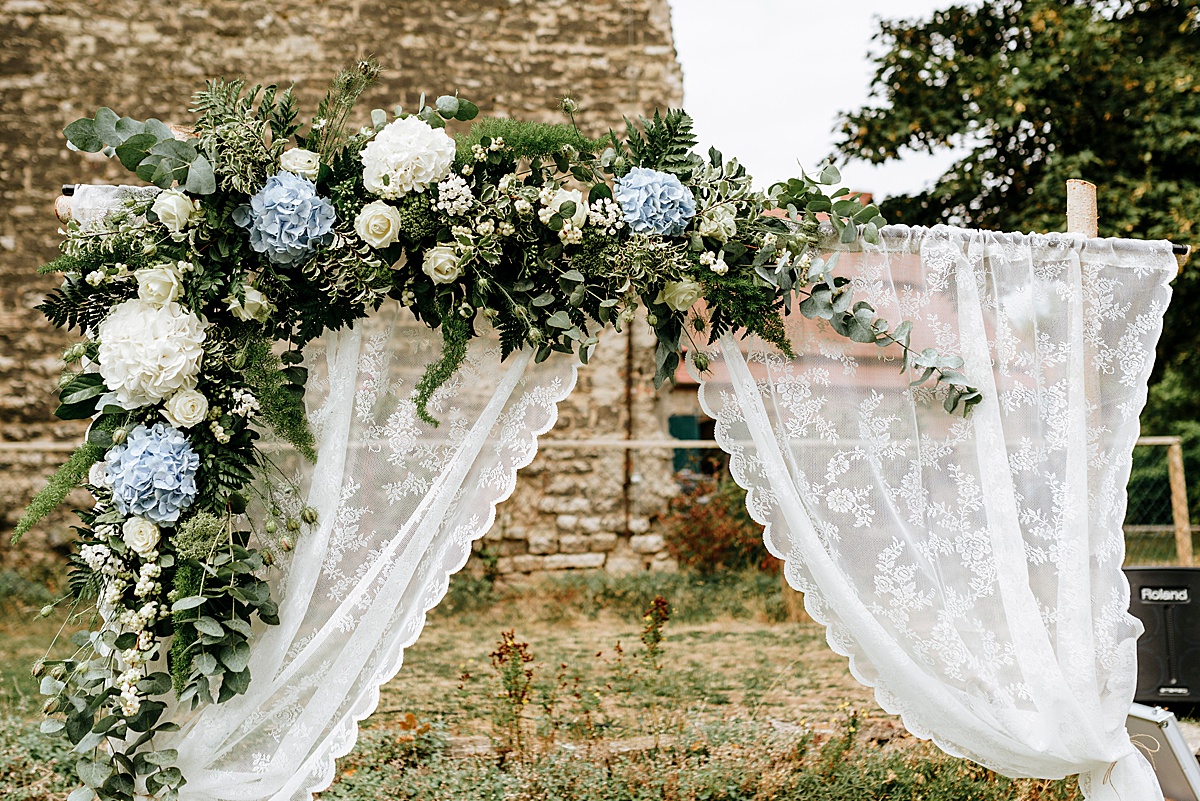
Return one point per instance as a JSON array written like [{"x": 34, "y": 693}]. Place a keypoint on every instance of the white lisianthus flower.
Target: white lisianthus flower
[
  {"x": 719, "y": 223},
  {"x": 573, "y": 196},
  {"x": 378, "y": 224},
  {"x": 159, "y": 285},
  {"x": 679, "y": 295},
  {"x": 254, "y": 306},
  {"x": 175, "y": 210},
  {"x": 148, "y": 353},
  {"x": 719, "y": 267},
  {"x": 185, "y": 408},
  {"x": 441, "y": 264},
  {"x": 406, "y": 156},
  {"x": 98, "y": 475},
  {"x": 299, "y": 161},
  {"x": 140, "y": 535}
]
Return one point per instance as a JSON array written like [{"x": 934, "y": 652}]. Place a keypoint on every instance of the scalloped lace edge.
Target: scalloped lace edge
[
  {"x": 345, "y": 735},
  {"x": 838, "y": 635}
]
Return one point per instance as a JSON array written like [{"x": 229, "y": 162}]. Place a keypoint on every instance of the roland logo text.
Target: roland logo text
[{"x": 1165, "y": 595}]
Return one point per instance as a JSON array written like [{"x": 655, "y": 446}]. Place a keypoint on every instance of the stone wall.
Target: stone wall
[{"x": 62, "y": 60}]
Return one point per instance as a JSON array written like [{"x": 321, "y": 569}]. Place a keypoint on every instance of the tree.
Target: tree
[{"x": 1040, "y": 91}]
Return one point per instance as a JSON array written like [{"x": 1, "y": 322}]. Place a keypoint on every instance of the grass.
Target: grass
[{"x": 589, "y": 698}]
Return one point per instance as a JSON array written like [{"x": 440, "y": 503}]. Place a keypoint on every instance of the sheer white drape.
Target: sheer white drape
[
  {"x": 399, "y": 504},
  {"x": 970, "y": 568}
]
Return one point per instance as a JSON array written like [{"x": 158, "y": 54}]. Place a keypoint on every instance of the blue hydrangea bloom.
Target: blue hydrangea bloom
[
  {"x": 153, "y": 473},
  {"x": 287, "y": 218},
  {"x": 655, "y": 202}
]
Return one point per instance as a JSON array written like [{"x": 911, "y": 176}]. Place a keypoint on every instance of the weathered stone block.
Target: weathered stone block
[
  {"x": 574, "y": 543},
  {"x": 541, "y": 542},
  {"x": 575, "y": 561},
  {"x": 646, "y": 543}
]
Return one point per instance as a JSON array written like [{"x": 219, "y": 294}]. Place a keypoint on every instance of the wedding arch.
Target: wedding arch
[{"x": 315, "y": 362}]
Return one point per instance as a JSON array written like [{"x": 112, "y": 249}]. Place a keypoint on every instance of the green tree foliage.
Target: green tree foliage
[{"x": 1039, "y": 91}]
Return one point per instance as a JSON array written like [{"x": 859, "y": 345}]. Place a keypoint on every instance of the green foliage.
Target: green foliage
[
  {"x": 213, "y": 622},
  {"x": 455, "y": 337},
  {"x": 197, "y": 537},
  {"x": 75, "y": 304},
  {"x": 232, "y": 129},
  {"x": 189, "y": 576},
  {"x": 58, "y": 486},
  {"x": 707, "y": 528},
  {"x": 148, "y": 148},
  {"x": 329, "y": 137},
  {"x": 663, "y": 143},
  {"x": 1040, "y": 91},
  {"x": 280, "y": 395},
  {"x": 417, "y": 219},
  {"x": 527, "y": 140}
]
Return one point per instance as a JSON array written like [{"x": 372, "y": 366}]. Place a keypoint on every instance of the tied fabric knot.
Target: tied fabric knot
[{"x": 1130, "y": 778}]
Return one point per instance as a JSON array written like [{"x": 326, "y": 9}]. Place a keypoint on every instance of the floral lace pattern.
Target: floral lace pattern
[
  {"x": 399, "y": 504},
  {"x": 970, "y": 569}
]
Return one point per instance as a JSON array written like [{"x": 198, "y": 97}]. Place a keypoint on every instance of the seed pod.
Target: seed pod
[
  {"x": 38, "y": 669},
  {"x": 268, "y": 558},
  {"x": 292, "y": 524},
  {"x": 58, "y": 671},
  {"x": 286, "y": 544},
  {"x": 51, "y": 706},
  {"x": 308, "y": 515},
  {"x": 271, "y": 526},
  {"x": 118, "y": 436}
]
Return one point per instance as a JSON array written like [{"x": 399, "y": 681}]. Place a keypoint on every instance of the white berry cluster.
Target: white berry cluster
[
  {"x": 219, "y": 433},
  {"x": 108, "y": 274},
  {"x": 454, "y": 196},
  {"x": 714, "y": 262},
  {"x": 244, "y": 403},
  {"x": 100, "y": 559},
  {"x": 605, "y": 213}
]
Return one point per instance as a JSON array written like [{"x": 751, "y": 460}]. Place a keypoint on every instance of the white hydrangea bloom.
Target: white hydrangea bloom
[
  {"x": 406, "y": 156},
  {"x": 147, "y": 353}
]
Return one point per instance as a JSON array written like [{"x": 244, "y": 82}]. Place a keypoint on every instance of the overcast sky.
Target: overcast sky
[{"x": 759, "y": 79}]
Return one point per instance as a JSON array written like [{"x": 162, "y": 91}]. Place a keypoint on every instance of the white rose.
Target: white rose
[
  {"x": 254, "y": 306},
  {"x": 148, "y": 353},
  {"x": 159, "y": 285},
  {"x": 406, "y": 156},
  {"x": 441, "y": 264},
  {"x": 98, "y": 475},
  {"x": 299, "y": 161},
  {"x": 175, "y": 210},
  {"x": 378, "y": 224},
  {"x": 719, "y": 223},
  {"x": 185, "y": 408},
  {"x": 679, "y": 295},
  {"x": 140, "y": 535},
  {"x": 574, "y": 196}
]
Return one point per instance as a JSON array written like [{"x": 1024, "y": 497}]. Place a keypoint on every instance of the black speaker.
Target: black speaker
[{"x": 1167, "y": 601}]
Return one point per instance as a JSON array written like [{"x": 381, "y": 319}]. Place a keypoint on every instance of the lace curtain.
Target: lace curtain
[
  {"x": 969, "y": 568},
  {"x": 399, "y": 503}
]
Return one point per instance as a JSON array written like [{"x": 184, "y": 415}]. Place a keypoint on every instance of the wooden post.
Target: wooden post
[
  {"x": 1081, "y": 208},
  {"x": 1179, "y": 504},
  {"x": 793, "y": 601}
]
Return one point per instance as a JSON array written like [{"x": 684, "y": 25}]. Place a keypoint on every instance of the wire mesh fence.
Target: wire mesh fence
[{"x": 1158, "y": 530}]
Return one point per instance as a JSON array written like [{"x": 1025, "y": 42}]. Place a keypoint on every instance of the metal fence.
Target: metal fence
[{"x": 1158, "y": 528}]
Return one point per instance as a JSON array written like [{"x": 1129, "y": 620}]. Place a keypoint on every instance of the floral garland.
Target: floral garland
[{"x": 261, "y": 235}]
